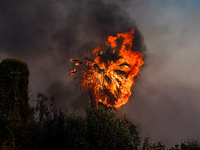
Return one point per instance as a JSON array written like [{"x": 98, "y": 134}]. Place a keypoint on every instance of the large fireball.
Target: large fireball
[{"x": 108, "y": 77}]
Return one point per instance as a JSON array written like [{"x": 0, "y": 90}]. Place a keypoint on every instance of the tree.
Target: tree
[
  {"x": 148, "y": 144},
  {"x": 190, "y": 144},
  {"x": 6, "y": 132},
  {"x": 108, "y": 77},
  {"x": 104, "y": 131},
  {"x": 14, "y": 75}
]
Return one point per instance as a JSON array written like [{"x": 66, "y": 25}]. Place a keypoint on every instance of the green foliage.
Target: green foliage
[
  {"x": 52, "y": 133},
  {"x": 100, "y": 129},
  {"x": 13, "y": 132},
  {"x": 6, "y": 130},
  {"x": 134, "y": 133},
  {"x": 12, "y": 67},
  {"x": 191, "y": 144},
  {"x": 63, "y": 132},
  {"x": 14, "y": 75},
  {"x": 148, "y": 144},
  {"x": 106, "y": 132},
  {"x": 76, "y": 132}
]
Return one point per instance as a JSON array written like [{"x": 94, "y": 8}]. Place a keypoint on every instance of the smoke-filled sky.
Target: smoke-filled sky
[{"x": 165, "y": 101}]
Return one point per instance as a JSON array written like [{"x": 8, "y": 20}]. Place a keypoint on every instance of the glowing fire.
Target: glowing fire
[{"x": 110, "y": 75}]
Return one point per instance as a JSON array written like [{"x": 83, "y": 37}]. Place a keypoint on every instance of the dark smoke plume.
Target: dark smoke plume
[{"x": 46, "y": 34}]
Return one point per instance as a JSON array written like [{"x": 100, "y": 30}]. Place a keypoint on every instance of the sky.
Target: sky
[{"x": 165, "y": 99}]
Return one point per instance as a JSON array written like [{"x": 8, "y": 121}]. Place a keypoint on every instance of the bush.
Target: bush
[
  {"x": 100, "y": 129},
  {"x": 104, "y": 131}
]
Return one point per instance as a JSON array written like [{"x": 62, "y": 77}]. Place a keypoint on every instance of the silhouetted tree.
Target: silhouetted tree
[
  {"x": 190, "y": 144},
  {"x": 14, "y": 75},
  {"x": 104, "y": 131},
  {"x": 148, "y": 144}
]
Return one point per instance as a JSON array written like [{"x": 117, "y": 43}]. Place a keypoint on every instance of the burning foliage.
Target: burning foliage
[{"x": 108, "y": 77}]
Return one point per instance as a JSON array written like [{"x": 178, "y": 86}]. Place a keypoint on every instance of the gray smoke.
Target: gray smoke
[
  {"x": 165, "y": 103},
  {"x": 46, "y": 34}
]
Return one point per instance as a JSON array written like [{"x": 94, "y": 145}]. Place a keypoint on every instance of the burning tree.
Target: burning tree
[{"x": 108, "y": 77}]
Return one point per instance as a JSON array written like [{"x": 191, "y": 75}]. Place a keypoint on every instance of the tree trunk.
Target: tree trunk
[{"x": 94, "y": 102}]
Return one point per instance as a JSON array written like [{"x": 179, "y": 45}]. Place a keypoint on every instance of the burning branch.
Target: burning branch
[{"x": 108, "y": 77}]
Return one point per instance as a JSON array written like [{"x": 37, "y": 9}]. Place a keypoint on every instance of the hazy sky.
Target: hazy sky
[
  {"x": 167, "y": 96},
  {"x": 165, "y": 101}
]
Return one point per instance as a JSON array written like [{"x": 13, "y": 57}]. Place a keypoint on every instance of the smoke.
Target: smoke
[
  {"x": 46, "y": 34},
  {"x": 166, "y": 96}
]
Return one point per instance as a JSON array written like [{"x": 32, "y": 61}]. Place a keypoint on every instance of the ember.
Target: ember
[{"x": 108, "y": 77}]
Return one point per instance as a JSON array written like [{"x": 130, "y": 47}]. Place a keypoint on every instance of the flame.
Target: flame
[{"x": 110, "y": 75}]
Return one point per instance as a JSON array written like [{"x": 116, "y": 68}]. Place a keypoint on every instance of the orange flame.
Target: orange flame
[{"x": 110, "y": 75}]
